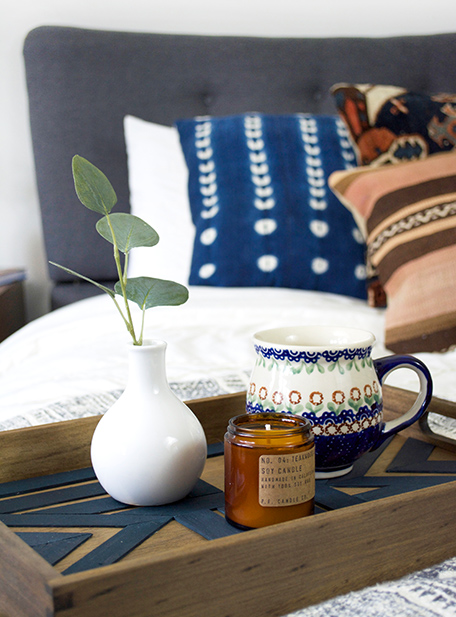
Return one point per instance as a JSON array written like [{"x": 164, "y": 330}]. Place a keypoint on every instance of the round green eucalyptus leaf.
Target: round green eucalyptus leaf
[
  {"x": 130, "y": 231},
  {"x": 148, "y": 292},
  {"x": 92, "y": 186}
]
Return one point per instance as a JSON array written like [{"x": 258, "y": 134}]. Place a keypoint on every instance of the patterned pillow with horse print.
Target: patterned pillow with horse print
[{"x": 390, "y": 124}]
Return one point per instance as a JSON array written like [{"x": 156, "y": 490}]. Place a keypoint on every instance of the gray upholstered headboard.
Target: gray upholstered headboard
[{"x": 81, "y": 83}]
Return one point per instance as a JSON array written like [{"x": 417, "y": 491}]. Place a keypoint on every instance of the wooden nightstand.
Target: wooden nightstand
[{"x": 12, "y": 306}]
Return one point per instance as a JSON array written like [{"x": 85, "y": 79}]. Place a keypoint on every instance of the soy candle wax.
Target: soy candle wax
[{"x": 269, "y": 469}]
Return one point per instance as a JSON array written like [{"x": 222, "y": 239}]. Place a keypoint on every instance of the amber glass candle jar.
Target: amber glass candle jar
[{"x": 269, "y": 469}]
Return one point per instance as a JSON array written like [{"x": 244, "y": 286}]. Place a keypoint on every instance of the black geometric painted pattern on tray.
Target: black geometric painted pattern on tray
[
  {"x": 51, "y": 508},
  {"x": 65, "y": 500}
]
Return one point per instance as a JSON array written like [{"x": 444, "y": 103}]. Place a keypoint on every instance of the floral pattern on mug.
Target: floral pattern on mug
[
  {"x": 336, "y": 405},
  {"x": 277, "y": 398},
  {"x": 346, "y": 426},
  {"x": 315, "y": 403},
  {"x": 311, "y": 362},
  {"x": 262, "y": 393},
  {"x": 295, "y": 397},
  {"x": 357, "y": 398}
]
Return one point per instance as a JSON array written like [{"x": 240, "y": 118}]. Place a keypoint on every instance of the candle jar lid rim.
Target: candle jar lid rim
[{"x": 244, "y": 423}]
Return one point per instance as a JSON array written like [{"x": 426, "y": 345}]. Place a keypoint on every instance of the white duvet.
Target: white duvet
[{"x": 81, "y": 349}]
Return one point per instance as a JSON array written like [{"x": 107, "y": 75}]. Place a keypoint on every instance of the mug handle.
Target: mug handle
[{"x": 386, "y": 365}]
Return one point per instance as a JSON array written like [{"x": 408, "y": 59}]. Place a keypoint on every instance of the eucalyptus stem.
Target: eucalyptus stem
[
  {"x": 121, "y": 313},
  {"x": 142, "y": 326},
  {"x": 127, "y": 255},
  {"x": 129, "y": 320}
]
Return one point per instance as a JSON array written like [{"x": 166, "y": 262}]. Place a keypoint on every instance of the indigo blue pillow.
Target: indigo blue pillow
[{"x": 261, "y": 205}]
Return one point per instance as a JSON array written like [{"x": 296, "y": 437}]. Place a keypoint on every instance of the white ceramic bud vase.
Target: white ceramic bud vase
[{"x": 149, "y": 448}]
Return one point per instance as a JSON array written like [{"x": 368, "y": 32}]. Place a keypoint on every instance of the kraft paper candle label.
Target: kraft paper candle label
[{"x": 286, "y": 479}]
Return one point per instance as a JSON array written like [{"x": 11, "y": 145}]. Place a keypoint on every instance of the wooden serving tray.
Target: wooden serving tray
[{"x": 269, "y": 571}]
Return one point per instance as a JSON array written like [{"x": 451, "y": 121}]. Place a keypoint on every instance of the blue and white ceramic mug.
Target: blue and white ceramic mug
[{"x": 328, "y": 375}]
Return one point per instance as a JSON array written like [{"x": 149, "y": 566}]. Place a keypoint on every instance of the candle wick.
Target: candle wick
[{"x": 268, "y": 427}]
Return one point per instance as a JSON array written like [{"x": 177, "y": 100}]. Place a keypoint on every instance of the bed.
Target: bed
[{"x": 148, "y": 109}]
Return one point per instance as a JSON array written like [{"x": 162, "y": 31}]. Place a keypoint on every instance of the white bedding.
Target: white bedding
[{"x": 80, "y": 350}]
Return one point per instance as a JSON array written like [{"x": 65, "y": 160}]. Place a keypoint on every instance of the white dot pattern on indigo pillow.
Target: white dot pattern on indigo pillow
[
  {"x": 357, "y": 235},
  {"x": 263, "y": 212},
  {"x": 265, "y": 227},
  {"x": 315, "y": 174},
  {"x": 347, "y": 151},
  {"x": 317, "y": 183},
  {"x": 267, "y": 263},
  {"x": 318, "y": 187},
  {"x": 361, "y": 272},
  {"x": 319, "y": 265},
  {"x": 319, "y": 228},
  {"x": 208, "y": 236},
  {"x": 264, "y": 192},
  {"x": 207, "y": 270},
  {"x": 207, "y": 186}
]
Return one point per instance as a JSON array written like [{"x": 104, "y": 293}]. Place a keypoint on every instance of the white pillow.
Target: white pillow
[{"x": 158, "y": 176}]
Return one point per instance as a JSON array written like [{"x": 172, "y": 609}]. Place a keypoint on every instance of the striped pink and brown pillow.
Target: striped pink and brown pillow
[{"x": 407, "y": 214}]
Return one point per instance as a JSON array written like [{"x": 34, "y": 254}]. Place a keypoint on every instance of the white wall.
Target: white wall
[{"x": 20, "y": 232}]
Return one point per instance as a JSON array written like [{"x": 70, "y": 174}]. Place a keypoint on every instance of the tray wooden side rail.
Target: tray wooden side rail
[{"x": 269, "y": 571}]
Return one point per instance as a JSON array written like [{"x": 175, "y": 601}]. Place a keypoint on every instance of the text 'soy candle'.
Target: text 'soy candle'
[{"x": 269, "y": 469}]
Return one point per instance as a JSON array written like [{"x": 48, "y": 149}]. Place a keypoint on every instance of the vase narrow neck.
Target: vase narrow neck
[{"x": 147, "y": 366}]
